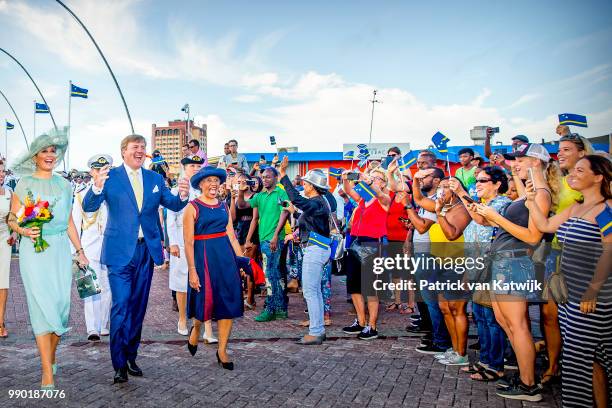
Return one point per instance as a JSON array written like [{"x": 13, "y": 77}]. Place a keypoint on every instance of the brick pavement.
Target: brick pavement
[{"x": 271, "y": 371}]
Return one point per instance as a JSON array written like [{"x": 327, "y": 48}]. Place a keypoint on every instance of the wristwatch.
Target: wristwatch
[{"x": 408, "y": 206}]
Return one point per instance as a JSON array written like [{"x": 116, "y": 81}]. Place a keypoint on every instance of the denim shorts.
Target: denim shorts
[{"x": 516, "y": 271}]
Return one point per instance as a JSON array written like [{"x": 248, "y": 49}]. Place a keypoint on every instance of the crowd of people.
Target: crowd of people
[{"x": 229, "y": 232}]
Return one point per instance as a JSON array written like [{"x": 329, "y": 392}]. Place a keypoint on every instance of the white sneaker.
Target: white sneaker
[
  {"x": 182, "y": 332},
  {"x": 446, "y": 355},
  {"x": 104, "y": 332},
  {"x": 455, "y": 360},
  {"x": 209, "y": 340}
]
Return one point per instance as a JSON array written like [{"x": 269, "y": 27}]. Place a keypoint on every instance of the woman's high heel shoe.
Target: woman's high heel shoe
[
  {"x": 192, "y": 349},
  {"x": 227, "y": 366}
]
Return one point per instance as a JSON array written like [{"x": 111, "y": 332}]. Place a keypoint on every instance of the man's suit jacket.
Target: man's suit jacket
[{"x": 124, "y": 219}]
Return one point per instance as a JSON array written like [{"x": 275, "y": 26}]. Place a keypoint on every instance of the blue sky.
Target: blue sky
[{"x": 304, "y": 72}]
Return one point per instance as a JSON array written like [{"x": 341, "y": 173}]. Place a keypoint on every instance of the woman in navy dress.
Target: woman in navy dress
[{"x": 215, "y": 290}]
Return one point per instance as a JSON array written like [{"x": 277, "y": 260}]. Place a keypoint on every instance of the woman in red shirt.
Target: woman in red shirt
[{"x": 369, "y": 229}]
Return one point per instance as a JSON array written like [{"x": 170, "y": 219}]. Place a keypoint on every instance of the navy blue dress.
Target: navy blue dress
[{"x": 220, "y": 295}]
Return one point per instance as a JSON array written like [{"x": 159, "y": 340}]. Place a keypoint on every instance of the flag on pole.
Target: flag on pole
[
  {"x": 408, "y": 160},
  {"x": 572, "y": 119},
  {"x": 335, "y": 172},
  {"x": 440, "y": 141},
  {"x": 350, "y": 155},
  {"x": 41, "y": 107},
  {"x": 9, "y": 126},
  {"x": 364, "y": 191},
  {"x": 77, "y": 92}
]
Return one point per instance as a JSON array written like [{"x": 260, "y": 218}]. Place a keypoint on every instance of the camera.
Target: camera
[{"x": 353, "y": 176}]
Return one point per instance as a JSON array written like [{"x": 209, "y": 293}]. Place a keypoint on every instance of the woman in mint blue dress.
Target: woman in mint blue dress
[{"x": 46, "y": 275}]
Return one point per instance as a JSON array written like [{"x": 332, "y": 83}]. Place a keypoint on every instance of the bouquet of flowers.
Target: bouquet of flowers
[{"x": 35, "y": 214}]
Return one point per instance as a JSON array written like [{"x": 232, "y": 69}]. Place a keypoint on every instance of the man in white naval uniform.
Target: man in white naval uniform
[
  {"x": 178, "y": 275},
  {"x": 91, "y": 227}
]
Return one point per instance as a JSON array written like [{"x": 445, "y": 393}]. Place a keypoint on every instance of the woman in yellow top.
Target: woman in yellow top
[{"x": 446, "y": 237}]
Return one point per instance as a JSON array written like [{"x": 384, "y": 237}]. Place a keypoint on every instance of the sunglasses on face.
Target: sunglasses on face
[{"x": 483, "y": 180}]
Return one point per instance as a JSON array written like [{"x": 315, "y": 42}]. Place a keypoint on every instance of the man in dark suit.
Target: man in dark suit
[{"x": 132, "y": 244}]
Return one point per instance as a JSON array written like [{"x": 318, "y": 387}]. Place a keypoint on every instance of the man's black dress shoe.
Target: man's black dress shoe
[
  {"x": 133, "y": 369},
  {"x": 121, "y": 375}
]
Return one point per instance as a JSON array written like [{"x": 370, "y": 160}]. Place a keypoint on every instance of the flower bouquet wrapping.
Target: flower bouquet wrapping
[{"x": 35, "y": 214}]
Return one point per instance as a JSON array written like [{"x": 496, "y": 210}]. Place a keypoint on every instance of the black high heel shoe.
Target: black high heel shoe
[
  {"x": 192, "y": 349},
  {"x": 226, "y": 366}
]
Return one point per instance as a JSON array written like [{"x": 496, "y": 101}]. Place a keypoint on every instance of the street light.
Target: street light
[
  {"x": 16, "y": 117},
  {"x": 185, "y": 109},
  {"x": 127, "y": 111},
  {"x": 35, "y": 85},
  {"x": 374, "y": 100}
]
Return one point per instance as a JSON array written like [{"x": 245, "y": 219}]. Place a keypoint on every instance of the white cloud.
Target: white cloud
[
  {"x": 524, "y": 99},
  {"x": 482, "y": 97},
  {"x": 247, "y": 98}
]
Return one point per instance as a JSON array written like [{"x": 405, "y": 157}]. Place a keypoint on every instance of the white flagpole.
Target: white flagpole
[
  {"x": 35, "y": 119},
  {"x": 5, "y": 141},
  {"x": 67, "y": 161}
]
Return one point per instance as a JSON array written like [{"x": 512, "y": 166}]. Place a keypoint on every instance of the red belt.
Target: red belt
[{"x": 209, "y": 236}]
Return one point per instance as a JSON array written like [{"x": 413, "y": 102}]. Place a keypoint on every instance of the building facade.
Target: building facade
[{"x": 169, "y": 140}]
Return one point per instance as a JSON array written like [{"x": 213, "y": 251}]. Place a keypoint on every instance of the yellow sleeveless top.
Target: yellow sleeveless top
[{"x": 438, "y": 239}]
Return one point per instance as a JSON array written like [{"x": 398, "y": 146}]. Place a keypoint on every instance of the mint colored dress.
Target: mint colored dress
[{"x": 47, "y": 276}]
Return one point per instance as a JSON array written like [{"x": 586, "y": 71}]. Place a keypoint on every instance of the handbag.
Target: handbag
[
  {"x": 337, "y": 244},
  {"x": 555, "y": 286},
  {"x": 86, "y": 280}
]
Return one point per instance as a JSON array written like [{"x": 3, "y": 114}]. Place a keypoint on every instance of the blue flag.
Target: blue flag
[
  {"x": 408, "y": 160},
  {"x": 440, "y": 141},
  {"x": 572, "y": 119},
  {"x": 77, "y": 92},
  {"x": 41, "y": 107},
  {"x": 9, "y": 126},
  {"x": 362, "y": 146},
  {"x": 318, "y": 240},
  {"x": 350, "y": 155},
  {"x": 364, "y": 191},
  {"x": 336, "y": 172},
  {"x": 604, "y": 220}
]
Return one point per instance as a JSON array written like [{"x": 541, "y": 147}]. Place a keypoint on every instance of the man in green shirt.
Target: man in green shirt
[
  {"x": 271, "y": 218},
  {"x": 467, "y": 172}
]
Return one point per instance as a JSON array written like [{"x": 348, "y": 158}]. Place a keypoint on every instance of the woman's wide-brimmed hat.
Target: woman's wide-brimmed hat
[
  {"x": 317, "y": 178},
  {"x": 24, "y": 165},
  {"x": 207, "y": 171}
]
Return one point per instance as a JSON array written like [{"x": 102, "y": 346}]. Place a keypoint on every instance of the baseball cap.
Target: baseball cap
[
  {"x": 97, "y": 161},
  {"x": 534, "y": 150}
]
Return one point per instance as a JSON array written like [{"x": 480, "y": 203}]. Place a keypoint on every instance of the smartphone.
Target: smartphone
[
  {"x": 250, "y": 183},
  {"x": 386, "y": 162},
  {"x": 495, "y": 130},
  {"x": 352, "y": 176},
  {"x": 530, "y": 172},
  {"x": 469, "y": 199},
  {"x": 272, "y": 140}
]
